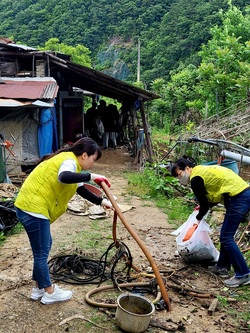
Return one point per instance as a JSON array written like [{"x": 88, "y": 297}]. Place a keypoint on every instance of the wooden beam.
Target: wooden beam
[{"x": 146, "y": 131}]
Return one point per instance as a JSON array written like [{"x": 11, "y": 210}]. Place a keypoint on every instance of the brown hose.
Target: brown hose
[
  {"x": 122, "y": 285},
  {"x": 141, "y": 244},
  {"x": 116, "y": 242},
  {"x": 114, "y": 229}
]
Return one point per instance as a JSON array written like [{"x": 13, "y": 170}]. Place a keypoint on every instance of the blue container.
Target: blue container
[{"x": 230, "y": 164}]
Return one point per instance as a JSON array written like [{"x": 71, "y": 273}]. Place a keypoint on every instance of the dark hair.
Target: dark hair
[
  {"x": 182, "y": 163},
  {"x": 83, "y": 145}
]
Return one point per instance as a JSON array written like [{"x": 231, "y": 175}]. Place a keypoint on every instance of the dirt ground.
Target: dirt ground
[{"x": 191, "y": 289}]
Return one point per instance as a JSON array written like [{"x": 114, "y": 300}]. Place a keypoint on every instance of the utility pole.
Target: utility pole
[{"x": 138, "y": 60}]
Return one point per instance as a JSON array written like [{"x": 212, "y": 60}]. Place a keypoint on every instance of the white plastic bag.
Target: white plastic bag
[
  {"x": 200, "y": 246},
  {"x": 186, "y": 225}
]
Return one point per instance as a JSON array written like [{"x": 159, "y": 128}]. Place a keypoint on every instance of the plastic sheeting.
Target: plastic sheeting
[
  {"x": 47, "y": 132},
  {"x": 8, "y": 218}
]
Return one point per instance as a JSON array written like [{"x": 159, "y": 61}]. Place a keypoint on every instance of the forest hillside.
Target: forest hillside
[
  {"x": 194, "y": 54},
  {"x": 169, "y": 32}
]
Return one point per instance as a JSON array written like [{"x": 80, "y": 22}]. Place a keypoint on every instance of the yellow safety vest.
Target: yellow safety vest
[
  {"x": 219, "y": 180},
  {"x": 42, "y": 192}
]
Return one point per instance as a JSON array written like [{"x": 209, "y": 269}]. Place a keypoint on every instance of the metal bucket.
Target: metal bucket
[{"x": 133, "y": 313}]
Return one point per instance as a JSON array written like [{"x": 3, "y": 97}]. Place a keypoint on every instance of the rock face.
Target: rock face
[{"x": 110, "y": 60}]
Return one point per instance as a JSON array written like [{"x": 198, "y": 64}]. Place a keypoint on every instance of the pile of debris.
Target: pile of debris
[
  {"x": 8, "y": 217},
  {"x": 231, "y": 124}
]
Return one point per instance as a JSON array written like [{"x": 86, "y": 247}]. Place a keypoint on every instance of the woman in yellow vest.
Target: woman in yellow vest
[
  {"x": 44, "y": 196},
  {"x": 212, "y": 185}
]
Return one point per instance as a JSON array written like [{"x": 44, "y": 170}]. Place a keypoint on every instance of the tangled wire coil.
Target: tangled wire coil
[{"x": 77, "y": 269}]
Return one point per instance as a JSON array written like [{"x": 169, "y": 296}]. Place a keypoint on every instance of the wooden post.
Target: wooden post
[{"x": 146, "y": 131}]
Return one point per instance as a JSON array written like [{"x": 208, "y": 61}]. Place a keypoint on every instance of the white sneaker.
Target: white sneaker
[
  {"x": 58, "y": 295},
  {"x": 36, "y": 294}
]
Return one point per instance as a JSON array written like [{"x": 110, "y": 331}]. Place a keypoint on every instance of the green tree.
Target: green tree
[
  {"x": 224, "y": 70},
  {"x": 79, "y": 54},
  {"x": 221, "y": 80},
  {"x": 159, "y": 109},
  {"x": 182, "y": 30},
  {"x": 171, "y": 32}
]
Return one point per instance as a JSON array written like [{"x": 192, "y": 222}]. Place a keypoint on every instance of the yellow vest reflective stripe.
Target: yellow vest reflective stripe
[
  {"x": 219, "y": 180},
  {"x": 42, "y": 192}
]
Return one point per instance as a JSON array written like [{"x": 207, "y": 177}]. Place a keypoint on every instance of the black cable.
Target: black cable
[
  {"x": 71, "y": 268},
  {"x": 122, "y": 253},
  {"x": 67, "y": 268}
]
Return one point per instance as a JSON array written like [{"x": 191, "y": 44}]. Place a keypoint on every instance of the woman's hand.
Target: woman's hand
[
  {"x": 99, "y": 178},
  {"x": 106, "y": 203}
]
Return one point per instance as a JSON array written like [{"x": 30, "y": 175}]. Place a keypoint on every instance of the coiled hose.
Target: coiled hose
[
  {"x": 122, "y": 285},
  {"x": 155, "y": 269}
]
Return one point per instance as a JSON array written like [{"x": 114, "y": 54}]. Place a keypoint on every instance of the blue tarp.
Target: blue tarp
[{"x": 47, "y": 132}]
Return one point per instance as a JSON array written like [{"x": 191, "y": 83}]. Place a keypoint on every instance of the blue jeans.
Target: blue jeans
[
  {"x": 111, "y": 136},
  {"x": 230, "y": 255},
  {"x": 38, "y": 231}
]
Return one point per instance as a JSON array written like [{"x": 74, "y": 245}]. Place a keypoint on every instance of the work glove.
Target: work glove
[
  {"x": 99, "y": 178},
  {"x": 106, "y": 203}
]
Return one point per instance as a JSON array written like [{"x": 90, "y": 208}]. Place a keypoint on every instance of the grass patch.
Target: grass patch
[
  {"x": 89, "y": 240},
  {"x": 177, "y": 211},
  {"x": 2, "y": 238},
  {"x": 93, "y": 240},
  {"x": 151, "y": 186},
  {"x": 242, "y": 318}
]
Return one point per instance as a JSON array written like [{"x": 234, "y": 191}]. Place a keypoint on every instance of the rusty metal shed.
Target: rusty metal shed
[{"x": 19, "y": 61}]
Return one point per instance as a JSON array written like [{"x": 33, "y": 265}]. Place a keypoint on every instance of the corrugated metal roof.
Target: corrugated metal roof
[
  {"x": 28, "y": 88},
  {"x": 8, "y": 44},
  {"x": 12, "y": 103}
]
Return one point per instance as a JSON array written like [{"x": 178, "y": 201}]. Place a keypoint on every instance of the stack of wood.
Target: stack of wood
[{"x": 232, "y": 124}]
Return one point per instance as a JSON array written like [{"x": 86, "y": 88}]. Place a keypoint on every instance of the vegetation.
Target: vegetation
[
  {"x": 79, "y": 54},
  {"x": 169, "y": 32},
  {"x": 221, "y": 79},
  {"x": 15, "y": 230},
  {"x": 195, "y": 54},
  {"x": 159, "y": 186},
  {"x": 93, "y": 240}
]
